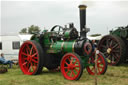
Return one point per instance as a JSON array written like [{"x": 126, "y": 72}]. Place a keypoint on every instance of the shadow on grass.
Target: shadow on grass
[
  {"x": 46, "y": 71},
  {"x": 124, "y": 64}
]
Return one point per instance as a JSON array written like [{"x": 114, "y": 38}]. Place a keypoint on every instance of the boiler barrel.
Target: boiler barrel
[{"x": 67, "y": 46}]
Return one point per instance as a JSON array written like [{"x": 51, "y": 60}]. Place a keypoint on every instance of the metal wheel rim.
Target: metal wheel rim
[
  {"x": 100, "y": 64},
  {"x": 28, "y": 58},
  {"x": 70, "y": 68},
  {"x": 114, "y": 56}
]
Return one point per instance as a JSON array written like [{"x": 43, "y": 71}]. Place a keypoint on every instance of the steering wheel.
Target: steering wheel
[{"x": 59, "y": 28}]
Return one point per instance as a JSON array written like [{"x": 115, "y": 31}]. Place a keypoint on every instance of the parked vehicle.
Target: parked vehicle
[{"x": 115, "y": 46}]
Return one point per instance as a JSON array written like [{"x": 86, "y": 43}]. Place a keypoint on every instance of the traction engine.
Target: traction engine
[
  {"x": 115, "y": 46},
  {"x": 64, "y": 47}
]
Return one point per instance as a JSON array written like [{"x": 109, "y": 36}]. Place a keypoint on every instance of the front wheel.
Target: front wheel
[
  {"x": 71, "y": 66},
  {"x": 101, "y": 64}
]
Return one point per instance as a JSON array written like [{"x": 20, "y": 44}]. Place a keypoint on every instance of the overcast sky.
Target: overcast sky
[{"x": 102, "y": 16}]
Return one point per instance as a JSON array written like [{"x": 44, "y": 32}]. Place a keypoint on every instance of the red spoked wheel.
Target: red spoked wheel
[
  {"x": 101, "y": 64},
  {"x": 31, "y": 58},
  {"x": 71, "y": 66}
]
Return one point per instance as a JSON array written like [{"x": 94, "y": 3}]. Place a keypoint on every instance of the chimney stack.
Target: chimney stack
[{"x": 83, "y": 29}]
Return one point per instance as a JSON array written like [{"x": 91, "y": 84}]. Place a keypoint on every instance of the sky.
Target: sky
[{"x": 102, "y": 15}]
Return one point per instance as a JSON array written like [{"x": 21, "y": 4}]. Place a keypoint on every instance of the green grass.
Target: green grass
[{"x": 114, "y": 76}]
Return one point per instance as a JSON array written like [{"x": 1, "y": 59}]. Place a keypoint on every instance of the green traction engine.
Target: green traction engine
[
  {"x": 115, "y": 46},
  {"x": 62, "y": 47}
]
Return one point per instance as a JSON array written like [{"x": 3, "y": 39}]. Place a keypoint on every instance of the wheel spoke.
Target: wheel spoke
[
  {"x": 98, "y": 59},
  {"x": 29, "y": 69},
  {"x": 33, "y": 55},
  {"x": 24, "y": 63},
  {"x": 115, "y": 56},
  {"x": 75, "y": 62},
  {"x": 111, "y": 43},
  {"x": 28, "y": 65},
  {"x": 32, "y": 66},
  {"x": 73, "y": 73},
  {"x": 116, "y": 51},
  {"x": 99, "y": 63},
  {"x": 24, "y": 54},
  {"x": 99, "y": 66},
  {"x": 67, "y": 71},
  {"x": 31, "y": 50},
  {"x": 71, "y": 61},
  {"x": 107, "y": 43},
  {"x": 76, "y": 70},
  {"x": 76, "y": 66},
  {"x": 115, "y": 46},
  {"x": 105, "y": 53},
  {"x": 66, "y": 63},
  {"x": 98, "y": 70},
  {"x": 27, "y": 49},
  {"x": 34, "y": 61}
]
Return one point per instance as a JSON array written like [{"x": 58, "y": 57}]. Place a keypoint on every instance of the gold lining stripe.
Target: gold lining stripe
[
  {"x": 62, "y": 45},
  {"x": 73, "y": 46},
  {"x": 82, "y": 8}
]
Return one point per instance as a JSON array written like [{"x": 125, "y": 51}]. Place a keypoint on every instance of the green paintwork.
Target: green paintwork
[
  {"x": 59, "y": 46},
  {"x": 120, "y": 32},
  {"x": 85, "y": 61},
  {"x": 34, "y": 37},
  {"x": 115, "y": 32},
  {"x": 66, "y": 34}
]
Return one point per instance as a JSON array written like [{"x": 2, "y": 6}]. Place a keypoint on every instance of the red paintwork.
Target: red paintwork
[
  {"x": 70, "y": 66},
  {"x": 28, "y": 58},
  {"x": 100, "y": 64}
]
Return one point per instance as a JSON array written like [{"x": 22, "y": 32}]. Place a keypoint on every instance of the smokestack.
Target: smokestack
[{"x": 82, "y": 20}]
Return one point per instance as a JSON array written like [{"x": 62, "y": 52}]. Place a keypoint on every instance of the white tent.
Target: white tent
[{"x": 94, "y": 38}]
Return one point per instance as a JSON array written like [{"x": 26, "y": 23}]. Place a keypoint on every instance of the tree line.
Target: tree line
[{"x": 30, "y": 30}]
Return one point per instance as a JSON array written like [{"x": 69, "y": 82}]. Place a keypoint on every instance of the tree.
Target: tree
[
  {"x": 33, "y": 29},
  {"x": 30, "y": 30},
  {"x": 24, "y": 30}
]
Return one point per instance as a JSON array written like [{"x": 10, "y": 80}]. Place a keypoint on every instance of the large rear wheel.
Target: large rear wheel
[
  {"x": 113, "y": 47},
  {"x": 31, "y": 58},
  {"x": 71, "y": 66}
]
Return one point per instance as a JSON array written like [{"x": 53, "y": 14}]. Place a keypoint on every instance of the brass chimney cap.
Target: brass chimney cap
[{"x": 82, "y": 6}]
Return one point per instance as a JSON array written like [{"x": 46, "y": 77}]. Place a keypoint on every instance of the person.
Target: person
[
  {"x": 3, "y": 61},
  {"x": 94, "y": 44}
]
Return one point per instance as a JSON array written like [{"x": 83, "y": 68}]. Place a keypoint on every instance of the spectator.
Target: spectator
[
  {"x": 94, "y": 44},
  {"x": 3, "y": 61}
]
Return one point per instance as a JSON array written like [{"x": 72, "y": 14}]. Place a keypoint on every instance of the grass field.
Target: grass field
[{"x": 113, "y": 76}]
